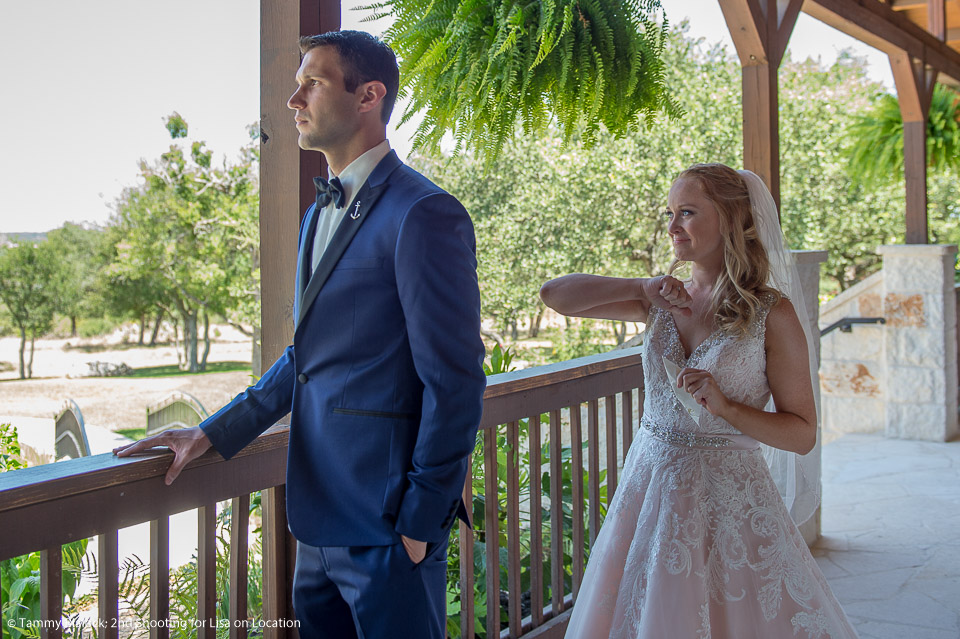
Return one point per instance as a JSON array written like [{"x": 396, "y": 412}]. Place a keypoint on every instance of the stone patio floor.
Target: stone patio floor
[{"x": 891, "y": 535}]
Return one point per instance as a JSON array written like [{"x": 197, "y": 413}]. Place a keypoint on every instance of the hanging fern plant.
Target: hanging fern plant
[
  {"x": 876, "y": 151},
  {"x": 477, "y": 68}
]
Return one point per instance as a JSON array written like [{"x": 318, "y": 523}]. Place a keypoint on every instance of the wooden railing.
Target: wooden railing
[{"x": 44, "y": 507}]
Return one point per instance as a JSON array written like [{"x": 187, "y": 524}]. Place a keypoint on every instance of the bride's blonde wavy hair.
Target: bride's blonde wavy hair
[{"x": 741, "y": 290}]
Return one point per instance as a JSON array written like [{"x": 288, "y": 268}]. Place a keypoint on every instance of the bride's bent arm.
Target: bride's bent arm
[
  {"x": 614, "y": 298},
  {"x": 794, "y": 426}
]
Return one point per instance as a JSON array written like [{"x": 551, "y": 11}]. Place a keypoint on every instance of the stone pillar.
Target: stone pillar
[
  {"x": 808, "y": 264},
  {"x": 920, "y": 341}
]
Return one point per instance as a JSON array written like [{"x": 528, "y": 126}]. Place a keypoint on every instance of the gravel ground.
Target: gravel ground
[{"x": 113, "y": 402}]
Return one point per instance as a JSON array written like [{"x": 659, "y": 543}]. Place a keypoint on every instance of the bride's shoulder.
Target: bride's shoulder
[{"x": 782, "y": 321}]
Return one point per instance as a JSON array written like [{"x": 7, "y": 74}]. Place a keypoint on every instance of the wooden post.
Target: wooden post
[
  {"x": 760, "y": 30},
  {"x": 915, "y": 81},
  {"x": 286, "y": 190}
]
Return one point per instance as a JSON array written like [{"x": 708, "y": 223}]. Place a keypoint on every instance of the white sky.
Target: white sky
[{"x": 87, "y": 85}]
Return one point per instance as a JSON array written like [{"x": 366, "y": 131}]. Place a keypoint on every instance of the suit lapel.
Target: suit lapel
[
  {"x": 349, "y": 226},
  {"x": 305, "y": 255},
  {"x": 357, "y": 212}
]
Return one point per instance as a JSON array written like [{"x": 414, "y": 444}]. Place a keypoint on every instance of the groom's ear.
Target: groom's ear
[{"x": 371, "y": 95}]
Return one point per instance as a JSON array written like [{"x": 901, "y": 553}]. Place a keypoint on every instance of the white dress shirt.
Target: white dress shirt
[{"x": 351, "y": 178}]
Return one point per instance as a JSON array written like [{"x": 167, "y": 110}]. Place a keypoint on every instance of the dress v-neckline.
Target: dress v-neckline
[{"x": 676, "y": 334}]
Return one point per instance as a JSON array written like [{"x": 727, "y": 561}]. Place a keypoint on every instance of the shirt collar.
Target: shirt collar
[{"x": 355, "y": 175}]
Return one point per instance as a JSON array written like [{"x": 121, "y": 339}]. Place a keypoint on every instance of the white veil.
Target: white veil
[{"x": 795, "y": 475}]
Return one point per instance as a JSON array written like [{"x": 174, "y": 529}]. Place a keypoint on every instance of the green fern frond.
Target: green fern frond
[{"x": 481, "y": 68}]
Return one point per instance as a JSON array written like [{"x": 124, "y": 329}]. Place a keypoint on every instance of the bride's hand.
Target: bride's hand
[
  {"x": 668, "y": 293},
  {"x": 704, "y": 389}
]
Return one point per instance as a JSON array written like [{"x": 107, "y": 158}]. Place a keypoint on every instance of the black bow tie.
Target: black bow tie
[{"x": 327, "y": 191}]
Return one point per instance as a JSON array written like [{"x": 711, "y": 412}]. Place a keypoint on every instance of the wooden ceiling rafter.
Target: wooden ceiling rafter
[{"x": 888, "y": 29}]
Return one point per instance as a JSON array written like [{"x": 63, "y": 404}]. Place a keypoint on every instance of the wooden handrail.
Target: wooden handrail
[
  {"x": 46, "y": 506},
  {"x": 531, "y": 387}
]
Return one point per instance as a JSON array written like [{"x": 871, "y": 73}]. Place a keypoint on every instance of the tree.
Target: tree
[
  {"x": 79, "y": 253},
  {"x": 190, "y": 229},
  {"x": 28, "y": 277}
]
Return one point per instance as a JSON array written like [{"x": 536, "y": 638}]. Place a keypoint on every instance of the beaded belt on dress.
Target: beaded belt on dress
[{"x": 690, "y": 439}]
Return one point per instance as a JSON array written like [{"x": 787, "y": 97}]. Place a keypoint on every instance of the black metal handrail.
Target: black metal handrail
[{"x": 846, "y": 324}]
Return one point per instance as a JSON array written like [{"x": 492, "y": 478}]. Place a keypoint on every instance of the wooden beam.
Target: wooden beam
[
  {"x": 748, "y": 28},
  {"x": 761, "y": 30},
  {"x": 906, "y": 5},
  {"x": 937, "y": 19},
  {"x": 915, "y": 82},
  {"x": 877, "y": 24},
  {"x": 761, "y": 125}
]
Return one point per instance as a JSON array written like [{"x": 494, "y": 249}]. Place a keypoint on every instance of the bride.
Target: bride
[{"x": 698, "y": 542}]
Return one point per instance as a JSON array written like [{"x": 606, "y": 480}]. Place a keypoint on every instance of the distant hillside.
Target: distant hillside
[{"x": 22, "y": 237}]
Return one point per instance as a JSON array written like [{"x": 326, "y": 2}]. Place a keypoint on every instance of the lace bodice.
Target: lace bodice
[
  {"x": 697, "y": 542},
  {"x": 738, "y": 364}
]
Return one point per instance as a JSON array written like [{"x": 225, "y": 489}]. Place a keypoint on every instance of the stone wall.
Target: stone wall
[
  {"x": 899, "y": 378},
  {"x": 852, "y": 365}
]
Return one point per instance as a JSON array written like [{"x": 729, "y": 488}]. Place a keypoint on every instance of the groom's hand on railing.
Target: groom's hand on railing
[{"x": 186, "y": 443}]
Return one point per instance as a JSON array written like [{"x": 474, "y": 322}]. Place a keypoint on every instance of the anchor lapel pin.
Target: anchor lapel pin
[{"x": 356, "y": 211}]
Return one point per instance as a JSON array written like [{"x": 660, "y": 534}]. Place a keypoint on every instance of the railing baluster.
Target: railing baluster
[
  {"x": 108, "y": 591},
  {"x": 492, "y": 532},
  {"x": 273, "y": 503},
  {"x": 576, "y": 462},
  {"x": 593, "y": 473},
  {"x": 556, "y": 514},
  {"x": 536, "y": 524},
  {"x": 160, "y": 577},
  {"x": 513, "y": 528},
  {"x": 51, "y": 593},
  {"x": 626, "y": 425},
  {"x": 207, "y": 571},
  {"x": 610, "y": 403},
  {"x": 467, "y": 602},
  {"x": 239, "y": 524}
]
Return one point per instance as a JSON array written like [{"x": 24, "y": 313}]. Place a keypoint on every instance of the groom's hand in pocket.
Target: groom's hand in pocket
[{"x": 416, "y": 550}]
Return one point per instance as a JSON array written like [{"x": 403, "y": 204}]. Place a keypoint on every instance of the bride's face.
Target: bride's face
[{"x": 694, "y": 223}]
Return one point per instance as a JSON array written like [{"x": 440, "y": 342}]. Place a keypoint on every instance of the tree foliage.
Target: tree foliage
[
  {"x": 475, "y": 68},
  {"x": 81, "y": 256},
  {"x": 29, "y": 289},
  {"x": 189, "y": 233},
  {"x": 544, "y": 208}
]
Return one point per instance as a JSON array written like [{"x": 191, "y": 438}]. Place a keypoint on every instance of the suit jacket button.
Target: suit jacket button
[{"x": 302, "y": 378}]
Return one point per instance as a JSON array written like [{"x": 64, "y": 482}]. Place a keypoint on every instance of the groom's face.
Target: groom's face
[{"x": 327, "y": 114}]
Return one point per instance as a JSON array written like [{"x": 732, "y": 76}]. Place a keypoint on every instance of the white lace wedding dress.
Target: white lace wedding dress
[{"x": 697, "y": 543}]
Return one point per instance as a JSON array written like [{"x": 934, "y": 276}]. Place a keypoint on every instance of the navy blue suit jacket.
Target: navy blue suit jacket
[{"x": 384, "y": 379}]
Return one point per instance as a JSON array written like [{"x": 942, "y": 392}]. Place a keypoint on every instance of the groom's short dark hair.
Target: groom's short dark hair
[{"x": 365, "y": 59}]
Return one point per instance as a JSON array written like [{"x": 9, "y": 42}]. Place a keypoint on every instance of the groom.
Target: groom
[{"x": 384, "y": 379}]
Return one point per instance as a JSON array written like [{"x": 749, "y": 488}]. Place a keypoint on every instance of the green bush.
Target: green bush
[{"x": 95, "y": 326}]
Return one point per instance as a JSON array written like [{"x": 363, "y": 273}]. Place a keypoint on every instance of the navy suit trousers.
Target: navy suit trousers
[{"x": 370, "y": 592}]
